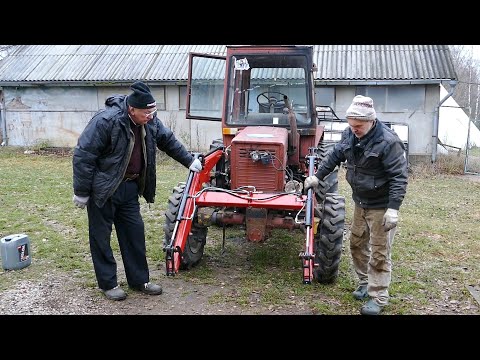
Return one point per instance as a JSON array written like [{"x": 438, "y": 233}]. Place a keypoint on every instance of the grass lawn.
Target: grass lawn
[{"x": 436, "y": 254}]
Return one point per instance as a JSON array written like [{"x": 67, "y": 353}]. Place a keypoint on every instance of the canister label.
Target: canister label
[{"x": 23, "y": 252}]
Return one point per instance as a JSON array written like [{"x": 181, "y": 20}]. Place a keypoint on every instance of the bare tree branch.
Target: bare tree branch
[{"x": 468, "y": 72}]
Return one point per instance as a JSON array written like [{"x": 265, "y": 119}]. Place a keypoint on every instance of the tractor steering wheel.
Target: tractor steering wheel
[{"x": 272, "y": 100}]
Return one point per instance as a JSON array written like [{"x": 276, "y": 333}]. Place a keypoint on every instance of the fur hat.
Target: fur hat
[
  {"x": 361, "y": 108},
  {"x": 141, "y": 97}
]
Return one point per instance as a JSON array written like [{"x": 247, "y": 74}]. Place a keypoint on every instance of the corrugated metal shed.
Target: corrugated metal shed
[
  {"x": 169, "y": 63},
  {"x": 383, "y": 62}
]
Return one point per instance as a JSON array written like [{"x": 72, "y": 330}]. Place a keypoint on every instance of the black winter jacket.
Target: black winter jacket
[
  {"x": 101, "y": 156},
  {"x": 378, "y": 175}
]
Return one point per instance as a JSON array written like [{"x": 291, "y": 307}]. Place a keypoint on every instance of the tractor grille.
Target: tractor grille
[
  {"x": 258, "y": 158},
  {"x": 263, "y": 176}
]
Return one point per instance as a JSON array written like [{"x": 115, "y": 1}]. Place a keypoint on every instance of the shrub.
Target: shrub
[{"x": 445, "y": 164}]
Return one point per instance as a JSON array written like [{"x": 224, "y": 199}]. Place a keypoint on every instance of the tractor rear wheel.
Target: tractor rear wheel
[
  {"x": 216, "y": 143},
  {"x": 194, "y": 247},
  {"x": 329, "y": 184},
  {"x": 329, "y": 239},
  {"x": 220, "y": 179}
]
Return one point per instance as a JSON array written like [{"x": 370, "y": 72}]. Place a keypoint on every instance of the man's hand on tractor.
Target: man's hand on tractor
[
  {"x": 311, "y": 182},
  {"x": 80, "y": 201},
  {"x": 196, "y": 166},
  {"x": 390, "y": 219}
]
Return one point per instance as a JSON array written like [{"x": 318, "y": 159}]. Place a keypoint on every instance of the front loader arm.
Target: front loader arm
[
  {"x": 185, "y": 215},
  {"x": 308, "y": 256}
]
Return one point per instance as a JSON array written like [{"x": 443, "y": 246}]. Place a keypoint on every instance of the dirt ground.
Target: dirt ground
[{"x": 58, "y": 294}]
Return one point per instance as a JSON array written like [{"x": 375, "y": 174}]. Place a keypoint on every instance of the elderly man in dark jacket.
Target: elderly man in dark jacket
[
  {"x": 113, "y": 165},
  {"x": 377, "y": 174}
]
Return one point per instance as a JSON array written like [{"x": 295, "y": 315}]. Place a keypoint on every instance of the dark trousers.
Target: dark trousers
[{"x": 122, "y": 210}]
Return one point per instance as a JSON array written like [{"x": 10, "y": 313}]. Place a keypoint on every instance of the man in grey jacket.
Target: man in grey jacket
[
  {"x": 377, "y": 173},
  {"x": 114, "y": 163}
]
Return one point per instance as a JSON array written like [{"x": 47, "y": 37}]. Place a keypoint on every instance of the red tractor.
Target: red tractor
[{"x": 272, "y": 140}]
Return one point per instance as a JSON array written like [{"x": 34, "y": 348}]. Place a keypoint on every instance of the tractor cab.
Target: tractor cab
[{"x": 257, "y": 86}]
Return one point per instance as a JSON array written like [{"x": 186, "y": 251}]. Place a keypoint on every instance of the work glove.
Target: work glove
[
  {"x": 196, "y": 166},
  {"x": 80, "y": 201},
  {"x": 390, "y": 219},
  {"x": 311, "y": 181}
]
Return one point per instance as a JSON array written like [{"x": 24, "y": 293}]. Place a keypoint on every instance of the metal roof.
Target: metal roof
[
  {"x": 169, "y": 63},
  {"x": 383, "y": 62}
]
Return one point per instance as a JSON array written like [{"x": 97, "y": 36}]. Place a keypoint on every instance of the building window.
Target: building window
[
  {"x": 182, "y": 97},
  {"x": 395, "y": 98},
  {"x": 325, "y": 96},
  {"x": 159, "y": 95}
]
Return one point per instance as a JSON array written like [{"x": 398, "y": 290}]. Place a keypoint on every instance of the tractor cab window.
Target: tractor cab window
[{"x": 263, "y": 87}]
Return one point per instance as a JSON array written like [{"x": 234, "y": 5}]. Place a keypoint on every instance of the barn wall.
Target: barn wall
[
  {"x": 419, "y": 122},
  {"x": 56, "y": 115}
]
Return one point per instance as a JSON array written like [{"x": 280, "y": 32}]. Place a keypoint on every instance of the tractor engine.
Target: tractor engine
[{"x": 259, "y": 158}]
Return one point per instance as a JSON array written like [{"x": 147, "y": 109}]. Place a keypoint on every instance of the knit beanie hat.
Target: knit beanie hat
[
  {"x": 141, "y": 98},
  {"x": 361, "y": 108}
]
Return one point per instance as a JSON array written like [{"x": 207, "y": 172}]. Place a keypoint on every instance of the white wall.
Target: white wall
[
  {"x": 453, "y": 124},
  {"x": 49, "y": 115},
  {"x": 56, "y": 116}
]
